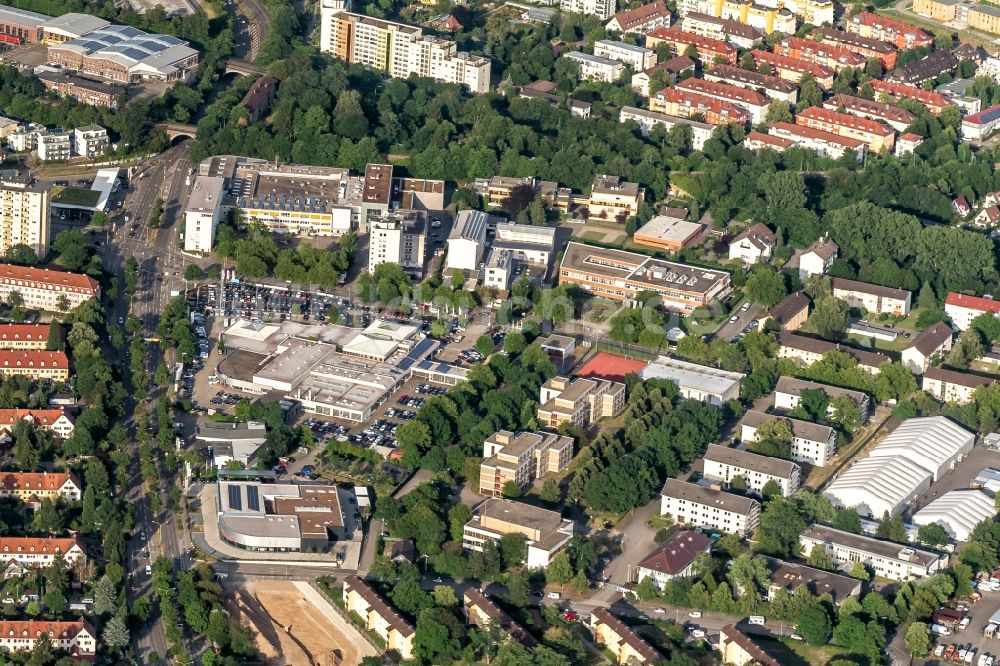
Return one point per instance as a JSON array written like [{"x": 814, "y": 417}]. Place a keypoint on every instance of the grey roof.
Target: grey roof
[
  {"x": 22, "y": 17},
  {"x": 754, "y": 462},
  {"x": 813, "y": 432},
  {"x": 789, "y": 575},
  {"x": 74, "y": 24},
  {"x": 692, "y": 375},
  {"x": 793, "y": 386},
  {"x": 886, "y": 549},
  {"x": 817, "y": 346},
  {"x": 722, "y": 500},
  {"x": 230, "y": 431}
]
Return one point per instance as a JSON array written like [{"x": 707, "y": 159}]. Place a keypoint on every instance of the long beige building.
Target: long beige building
[
  {"x": 41, "y": 288},
  {"x": 24, "y": 216},
  {"x": 520, "y": 458},
  {"x": 379, "y": 616},
  {"x": 580, "y": 403}
]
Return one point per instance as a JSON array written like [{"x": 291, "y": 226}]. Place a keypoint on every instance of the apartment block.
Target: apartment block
[
  {"x": 34, "y": 486},
  {"x": 874, "y": 298},
  {"x": 723, "y": 463},
  {"x": 53, "y": 146},
  {"x": 526, "y": 242},
  {"x": 41, "y": 288},
  {"x": 867, "y": 47},
  {"x": 810, "y": 50},
  {"x": 482, "y": 611},
  {"x": 622, "y": 276},
  {"x": 814, "y": 12},
  {"x": 709, "y": 508},
  {"x": 467, "y": 241},
  {"x": 379, "y": 616},
  {"x": 772, "y": 87},
  {"x": 754, "y": 102},
  {"x": 893, "y": 116},
  {"x": 203, "y": 212},
  {"x": 24, "y": 336},
  {"x": 596, "y": 68},
  {"x": 637, "y": 57},
  {"x": 35, "y": 364},
  {"x": 981, "y": 125},
  {"x": 520, "y": 458},
  {"x": 400, "y": 238},
  {"x": 78, "y": 638},
  {"x": 399, "y": 50},
  {"x": 708, "y": 50},
  {"x": 902, "y": 35},
  {"x": 766, "y": 17},
  {"x": 876, "y": 135},
  {"x": 929, "y": 346},
  {"x": 963, "y": 308},
  {"x": 788, "y": 394},
  {"x": 951, "y": 385},
  {"x": 621, "y": 640},
  {"x": 649, "y": 120},
  {"x": 889, "y": 560},
  {"x": 739, "y": 34},
  {"x": 90, "y": 141},
  {"x": 24, "y": 216},
  {"x": 823, "y": 143},
  {"x": 674, "y": 558},
  {"x": 806, "y": 350},
  {"x": 677, "y": 102},
  {"x": 547, "y": 532},
  {"x": 41, "y": 552},
  {"x": 918, "y": 72},
  {"x": 939, "y": 10},
  {"x": 738, "y": 648},
  {"x": 793, "y": 69},
  {"x": 55, "y": 421},
  {"x": 811, "y": 442},
  {"x": 580, "y": 402},
  {"x": 640, "y": 20},
  {"x": 602, "y": 9},
  {"x": 498, "y": 189},
  {"x": 613, "y": 198}
]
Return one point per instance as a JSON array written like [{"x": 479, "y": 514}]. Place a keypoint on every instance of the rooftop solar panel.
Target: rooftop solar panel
[
  {"x": 253, "y": 498},
  {"x": 235, "y": 498}
]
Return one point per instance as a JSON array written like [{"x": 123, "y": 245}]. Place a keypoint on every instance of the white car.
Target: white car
[
  {"x": 659, "y": 610},
  {"x": 435, "y": 224},
  {"x": 698, "y": 633},
  {"x": 695, "y": 613},
  {"x": 796, "y": 637}
]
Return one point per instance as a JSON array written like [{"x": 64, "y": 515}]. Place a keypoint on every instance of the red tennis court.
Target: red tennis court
[{"x": 610, "y": 366}]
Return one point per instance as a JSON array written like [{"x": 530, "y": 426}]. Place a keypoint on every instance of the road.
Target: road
[
  {"x": 251, "y": 25},
  {"x": 744, "y": 318}
]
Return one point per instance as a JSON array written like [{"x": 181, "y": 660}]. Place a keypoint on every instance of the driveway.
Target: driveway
[
  {"x": 744, "y": 318},
  {"x": 636, "y": 543}
]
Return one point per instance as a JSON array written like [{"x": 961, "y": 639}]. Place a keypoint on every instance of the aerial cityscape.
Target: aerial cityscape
[{"x": 528, "y": 333}]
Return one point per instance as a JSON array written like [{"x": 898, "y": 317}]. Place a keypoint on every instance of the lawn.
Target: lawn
[{"x": 798, "y": 653}]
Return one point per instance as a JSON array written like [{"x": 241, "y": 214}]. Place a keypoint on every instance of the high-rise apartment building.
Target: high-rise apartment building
[
  {"x": 24, "y": 216},
  {"x": 398, "y": 49},
  {"x": 602, "y": 9},
  {"x": 398, "y": 238}
]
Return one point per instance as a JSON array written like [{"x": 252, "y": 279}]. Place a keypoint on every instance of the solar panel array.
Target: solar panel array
[
  {"x": 235, "y": 498},
  {"x": 253, "y": 498}
]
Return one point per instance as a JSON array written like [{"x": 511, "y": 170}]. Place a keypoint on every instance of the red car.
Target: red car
[{"x": 571, "y": 616}]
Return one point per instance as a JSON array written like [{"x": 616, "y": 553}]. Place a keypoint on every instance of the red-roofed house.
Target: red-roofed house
[
  {"x": 56, "y": 421},
  {"x": 907, "y": 143},
  {"x": 685, "y": 104},
  {"x": 987, "y": 217},
  {"x": 673, "y": 559},
  {"x": 620, "y": 639},
  {"x": 24, "y": 336},
  {"x": 758, "y": 140},
  {"x": 885, "y": 29},
  {"x": 960, "y": 206},
  {"x": 78, "y": 638},
  {"x": 963, "y": 309},
  {"x": 640, "y": 20},
  {"x": 828, "y": 55},
  {"x": 875, "y": 134},
  {"x": 933, "y": 101},
  {"x": 708, "y": 49},
  {"x": 751, "y": 100},
  {"x": 43, "y": 485},
  {"x": 793, "y": 69},
  {"x": 35, "y": 363},
  {"x": 610, "y": 367},
  {"x": 35, "y": 552},
  {"x": 40, "y": 288}
]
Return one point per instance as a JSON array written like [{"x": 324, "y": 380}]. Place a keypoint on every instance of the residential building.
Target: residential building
[
  {"x": 821, "y": 142},
  {"x": 55, "y": 421},
  {"x": 709, "y": 508},
  {"x": 41, "y": 288},
  {"x": 24, "y": 139},
  {"x": 56, "y": 145},
  {"x": 400, "y": 238},
  {"x": 24, "y": 336},
  {"x": 990, "y": 67},
  {"x": 818, "y": 257},
  {"x": 202, "y": 213},
  {"x": 789, "y": 576},
  {"x": 933, "y": 101},
  {"x": 751, "y": 100},
  {"x": 520, "y": 458},
  {"x": 41, "y": 552},
  {"x": 482, "y": 611},
  {"x": 960, "y": 92},
  {"x": 893, "y": 116},
  {"x": 421, "y": 194},
  {"x": 982, "y": 124},
  {"x": 675, "y": 68},
  {"x": 602, "y": 9},
  {"x": 931, "y": 67},
  {"x": 90, "y": 141},
  {"x": 929, "y": 346},
  {"x": 868, "y": 47},
  {"x": 35, "y": 364},
  {"x": 498, "y": 269},
  {"x": 939, "y": 10},
  {"x": 876, "y": 135},
  {"x": 678, "y": 102},
  {"x": 876, "y": 26},
  {"x": 708, "y": 49},
  {"x": 985, "y": 18},
  {"x": 951, "y": 385},
  {"x": 733, "y": 31},
  {"x": 669, "y": 232},
  {"x": 596, "y": 68},
  {"x": 467, "y": 241},
  {"x": 398, "y": 49},
  {"x": 791, "y": 312},
  {"x": 647, "y": 120},
  {"x": 829, "y": 55},
  {"x": 498, "y": 189},
  {"x": 889, "y": 560},
  {"x": 8, "y": 126},
  {"x": 35, "y": 486},
  {"x": 962, "y": 308},
  {"x": 960, "y": 206},
  {"x": 723, "y": 463},
  {"x": 807, "y": 350},
  {"x": 714, "y": 386},
  {"x": 24, "y": 215},
  {"x": 640, "y": 20},
  {"x": 754, "y": 245},
  {"x": 622, "y": 276},
  {"x": 874, "y": 298},
  {"x": 78, "y": 638},
  {"x": 987, "y": 217},
  {"x": 739, "y": 649},
  {"x": 620, "y": 639},
  {"x": 788, "y": 394},
  {"x": 615, "y": 199},
  {"x": 793, "y": 69},
  {"x": 258, "y": 99},
  {"x": 637, "y": 57},
  {"x": 525, "y": 242},
  {"x": 771, "y": 86},
  {"x": 908, "y": 143},
  {"x": 546, "y": 532},
  {"x": 379, "y": 616},
  {"x": 811, "y": 442},
  {"x": 580, "y": 402},
  {"x": 83, "y": 90},
  {"x": 674, "y": 558}
]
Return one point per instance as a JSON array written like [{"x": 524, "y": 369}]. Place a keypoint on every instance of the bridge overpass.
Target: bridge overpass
[
  {"x": 243, "y": 67},
  {"x": 175, "y": 130}
]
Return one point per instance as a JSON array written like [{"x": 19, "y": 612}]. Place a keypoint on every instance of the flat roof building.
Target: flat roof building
[
  {"x": 203, "y": 213},
  {"x": 665, "y": 232},
  {"x": 467, "y": 241},
  {"x": 714, "y": 386},
  {"x": 547, "y": 532},
  {"x": 888, "y": 559}
]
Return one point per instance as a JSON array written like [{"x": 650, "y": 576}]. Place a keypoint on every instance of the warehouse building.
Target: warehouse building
[
  {"x": 698, "y": 382},
  {"x": 19, "y": 26},
  {"x": 958, "y": 512},
  {"x": 126, "y": 55},
  {"x": 933, "y": 442}
]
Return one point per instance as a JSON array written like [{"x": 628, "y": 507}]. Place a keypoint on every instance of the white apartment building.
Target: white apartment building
[
  {"x": 595, "y": 67},
  {"x": 951, "y": 385},
  {"x": 396, "y": 239},
  {"x": 55, "y": 146},
  {"x": 962, "y": 308},
  {"x": 203, "y": 213},
  {"x": 526, "y": 242},
  {"x": 581, "y": 402},
  {"x": 602, "y": 9},
  {"x": 499, "y": 269},
  {"x": 521, "y": 458},
  {"x": 637, "y": 57},
  {"x": 889, "y": 560},
  {"x": 90, "y": 141},
  {"x": 788, "y": 394},
  {"x": 78, "y": 638},
  {"x": 40, "y": 552},
  {"x": 819, "y": 257},
  {"x": 648, "y": 120},
  {"x": 708, "y": 508},
  {"x": 724, "y": 463},
  {"x": 811, "y": 442},
  {"x": 24, "y": 216},
  {"x": 874, "y": 298},
  {"x": 467, "y": 241}
]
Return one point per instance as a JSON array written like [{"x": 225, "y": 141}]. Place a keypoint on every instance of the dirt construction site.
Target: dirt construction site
[{"x": 295, "y": 625}]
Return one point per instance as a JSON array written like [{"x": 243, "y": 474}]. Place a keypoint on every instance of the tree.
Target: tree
[
  {"x": 779, "y": 529},
  {"x": 918, "y": 639},
  {"x": 55, "y": 340},
  {"x": 891, "y": 527},
  {"x": 765, "y": 285},
  {"x": 859, "y": 571},
  {"x": 549, "y": 492},
  {"x": 21, "y": 254},
  {"x": 820, "y": 558},
  {"x": 926, "y": 299},
  {"x": 116, "y": 635},
  {"x": 439, "y": 328},
  {"x": 560, "y": 570},
  {"x": 774, "y": 439},
  {"x": 437, "y": 635},
  {"x": 105, "y": 596},
  {"x": 646, "y": 589},
  {"x": 738, "y": 484},
  {"x": 847, "y": 520},
  {"x": 511, "y": 489},
  {"x": 771, "y": 490},
  {"x": 484, "y": 344},
  {"x": 846, "y": 413},
  {"x": 514, "y": 343},
  {"x": 193, "y": 272},
  {"x": 829, "y": 317},
  {"x": 932, "y": 534},
  {"x": 444, "y": 595},
  {"x": 513, "y": 549},
  {"x": 814, "y": 625}
]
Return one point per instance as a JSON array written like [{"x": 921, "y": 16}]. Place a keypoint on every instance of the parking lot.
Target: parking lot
[
  {"x": 972, "y": 637},
  {"x": 965, "y": 471},
  {"x": 740, "y": 322}
]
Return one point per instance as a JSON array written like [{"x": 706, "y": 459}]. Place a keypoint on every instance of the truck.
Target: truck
[{"x": 940, "y": 630}]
